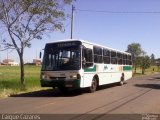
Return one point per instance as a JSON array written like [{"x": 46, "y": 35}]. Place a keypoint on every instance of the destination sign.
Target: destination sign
[{"x": 67, "y": 44}]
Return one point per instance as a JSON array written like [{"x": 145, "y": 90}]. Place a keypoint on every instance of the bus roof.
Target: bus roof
[{"x": 83, "y": 41}]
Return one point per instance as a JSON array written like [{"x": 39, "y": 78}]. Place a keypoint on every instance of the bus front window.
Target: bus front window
[{"x": 61, "y": 59}]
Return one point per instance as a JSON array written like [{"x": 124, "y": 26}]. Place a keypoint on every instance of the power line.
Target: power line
[{"x": 119, "y": 12}]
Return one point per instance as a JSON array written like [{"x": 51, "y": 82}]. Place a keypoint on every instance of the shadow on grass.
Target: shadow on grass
[
  {"x": 49, "y": 93},
  {"x": 57, "y": 93},
  {"x": 152, "y": 86}
]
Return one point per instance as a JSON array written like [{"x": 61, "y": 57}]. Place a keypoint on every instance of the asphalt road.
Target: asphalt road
[{"x": 140, "y": 95}]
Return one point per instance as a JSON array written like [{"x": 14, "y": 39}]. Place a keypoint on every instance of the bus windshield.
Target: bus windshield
[{"x": 63, "y": 57}]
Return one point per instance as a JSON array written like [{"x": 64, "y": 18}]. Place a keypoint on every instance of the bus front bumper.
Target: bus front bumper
[{"x": 58, "y": 83}]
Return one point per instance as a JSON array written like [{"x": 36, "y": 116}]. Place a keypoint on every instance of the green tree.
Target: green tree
[
  {"x": 136, "y": 51},
  {"x": 144, "y": 63},
  {"x": 27, "y": 20},
  {"x": 152, "y": 59}
]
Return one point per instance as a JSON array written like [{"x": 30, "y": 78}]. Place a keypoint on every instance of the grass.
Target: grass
[
  {"x": 10, "y": 79},
  {"x": 151, "y": 70}
]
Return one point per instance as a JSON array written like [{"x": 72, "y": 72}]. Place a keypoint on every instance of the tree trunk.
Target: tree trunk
[
  {"x": 135, "y": 69},
  {"x": 22, "y": 70},
  {"x": 20, "y": 53},
  {"x": 143, "y": 70}
]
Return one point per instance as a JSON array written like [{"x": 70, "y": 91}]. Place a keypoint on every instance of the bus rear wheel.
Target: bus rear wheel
[
  {"x": 93, "y": 86},
  {"x": 122, "y": 80}
]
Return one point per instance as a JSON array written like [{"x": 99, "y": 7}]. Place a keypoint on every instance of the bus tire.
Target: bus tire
[
  {"x": 93, "y": 86},
  {"x": 122, "y": 80}
]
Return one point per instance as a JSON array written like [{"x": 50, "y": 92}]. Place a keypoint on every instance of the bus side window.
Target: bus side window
[
  {"x": 87, "y": 59},
  {"x": 119, "y": 56},
  {"x": 97, "y": 54},
  {"x": 113, "y": 57},
  {"x": 124, "y": 59},
  {"x": 129, "y": 58},
  {"x": 106, "y": 56}
]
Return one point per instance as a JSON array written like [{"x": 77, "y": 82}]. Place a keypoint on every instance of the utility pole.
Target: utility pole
[
  {"x": 72, "y": 21},
  {"x": 0, "y": 55}
]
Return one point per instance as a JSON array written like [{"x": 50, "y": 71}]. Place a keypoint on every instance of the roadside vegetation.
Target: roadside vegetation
[
  {"x": 10, "y": 83},
  {"x": 148, "y": 71}
]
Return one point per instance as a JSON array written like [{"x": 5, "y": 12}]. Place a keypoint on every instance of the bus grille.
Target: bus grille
[{"x": 58, "y": 78}]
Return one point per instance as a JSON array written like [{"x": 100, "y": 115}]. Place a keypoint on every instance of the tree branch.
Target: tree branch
[
  {"x": 5, "y": 14},
  {"x": 30, "y": 18},
  {"x": 18, "y": 15},
  {"x": 13, "y": 41},
  {"x": 16, "y": 35}
]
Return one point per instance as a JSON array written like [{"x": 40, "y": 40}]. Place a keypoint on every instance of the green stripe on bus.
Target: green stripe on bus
[
  {"x": 126, "y": 68},
  {"x": 90, "y": 69}
]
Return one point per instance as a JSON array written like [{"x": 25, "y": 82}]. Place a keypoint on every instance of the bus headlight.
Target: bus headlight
[
  {"x": 44, "y": 76},
  {"x": 73, "y": 76},
  {"x": 78, "y": 76}
]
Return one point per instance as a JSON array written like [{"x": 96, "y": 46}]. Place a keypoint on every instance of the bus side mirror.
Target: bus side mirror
[{"x": 40, "y": 54}]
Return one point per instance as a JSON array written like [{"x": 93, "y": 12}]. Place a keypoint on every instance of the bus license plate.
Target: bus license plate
[{"x": 68, "y": 85}]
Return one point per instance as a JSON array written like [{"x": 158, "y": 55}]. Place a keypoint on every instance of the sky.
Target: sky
[{"x": 127, "y": 22}]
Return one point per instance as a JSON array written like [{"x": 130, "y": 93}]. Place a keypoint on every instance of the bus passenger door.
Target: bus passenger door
[{"x": 88, "y": 66}]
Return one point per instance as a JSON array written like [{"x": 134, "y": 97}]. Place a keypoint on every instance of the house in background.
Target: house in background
[
  {"x": 9, "y": 62},
  {"x": 37, "y": 62}
]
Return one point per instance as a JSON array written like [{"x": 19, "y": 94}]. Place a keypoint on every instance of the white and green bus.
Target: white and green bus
[{"x": 81, "y": 64}]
